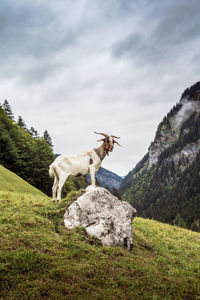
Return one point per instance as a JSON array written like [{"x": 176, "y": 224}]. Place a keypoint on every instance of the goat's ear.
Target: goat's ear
[{"x": 101, "y": 140}]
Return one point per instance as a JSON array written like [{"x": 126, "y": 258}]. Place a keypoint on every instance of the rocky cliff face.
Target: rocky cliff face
[
  {"x": 169, "y": 130},
  {"x": 170, "y": 155}
]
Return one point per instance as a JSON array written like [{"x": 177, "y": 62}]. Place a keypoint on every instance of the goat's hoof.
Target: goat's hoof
[{"x": 90, "y": 188}]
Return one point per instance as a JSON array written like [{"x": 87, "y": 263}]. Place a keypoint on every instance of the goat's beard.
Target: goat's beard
[{"x": 108, "y": 150}]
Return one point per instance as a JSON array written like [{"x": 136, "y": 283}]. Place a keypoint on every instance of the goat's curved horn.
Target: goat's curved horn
[
  {"x": 117, "y": 143},
  {"x": 115, "y": 137},
  {"x": 104, "y": 134}
]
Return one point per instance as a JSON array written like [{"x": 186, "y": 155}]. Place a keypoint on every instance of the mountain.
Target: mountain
[
  {"x": 107, "y": 179},
  {"x": 40, "y": 259},
  {"x": 165, "y": 184}
]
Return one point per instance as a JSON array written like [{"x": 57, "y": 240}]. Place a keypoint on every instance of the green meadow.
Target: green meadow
[
  {"x": 9, "y": 181},
  {"x": 40, "y": 259}
]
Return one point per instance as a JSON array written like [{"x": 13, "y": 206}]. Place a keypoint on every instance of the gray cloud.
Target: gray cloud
[
  {"x": 39, "y": 28},
  {"x": 38, "y": 32},
  {"x": 165, "y": 27},
  {"x": 118, "y": 66},
  {"x": 34, "y": 28}
]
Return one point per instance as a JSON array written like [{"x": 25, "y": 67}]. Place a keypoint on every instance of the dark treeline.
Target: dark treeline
[
  {"x": 22, "y": 152},
  {"x": 28, "y": 154},
  {"x": 176, "y": 204}
]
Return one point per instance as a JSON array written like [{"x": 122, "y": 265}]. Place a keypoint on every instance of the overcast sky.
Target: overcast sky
[{"x": 115, "y": 66}]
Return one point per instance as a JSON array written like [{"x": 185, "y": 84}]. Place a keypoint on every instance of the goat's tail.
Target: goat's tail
[{"x": 51, "y": 171}]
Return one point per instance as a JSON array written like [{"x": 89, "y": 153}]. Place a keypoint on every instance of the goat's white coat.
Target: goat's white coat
[{"x": 66, "y": 165}]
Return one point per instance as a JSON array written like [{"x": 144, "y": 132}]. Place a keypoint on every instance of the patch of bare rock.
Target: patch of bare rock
[{"x": 104, "y": 216}]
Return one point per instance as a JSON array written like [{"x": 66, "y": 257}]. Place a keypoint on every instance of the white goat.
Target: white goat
[{"x": 80, "y": 164}]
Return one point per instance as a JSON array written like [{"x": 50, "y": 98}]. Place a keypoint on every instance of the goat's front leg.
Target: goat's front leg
[{"x": 92, "y": 175}]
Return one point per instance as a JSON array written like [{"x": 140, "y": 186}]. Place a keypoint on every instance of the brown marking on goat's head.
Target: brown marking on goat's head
[
  {"x": 108, "y": 142},
  {"x": 91, "y": 161},
  {"x": 109, "y": 145}
]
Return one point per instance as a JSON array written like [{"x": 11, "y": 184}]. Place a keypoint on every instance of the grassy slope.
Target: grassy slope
[
  {"x": 9, "y": 181},
  {"x": 40, "y": 259}
]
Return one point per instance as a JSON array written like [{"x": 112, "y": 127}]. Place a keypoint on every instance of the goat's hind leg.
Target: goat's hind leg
[
  {"x": 60, "y": 186},
  {"x": 54, "y": 188}
]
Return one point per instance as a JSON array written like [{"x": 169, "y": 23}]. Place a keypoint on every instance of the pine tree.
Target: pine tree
[
  {"x": 47, "y": 138},
  {"x": 7, "y": 108},
  {"x": 33, "y": 132},
  {"x": 21, "y": 123}
]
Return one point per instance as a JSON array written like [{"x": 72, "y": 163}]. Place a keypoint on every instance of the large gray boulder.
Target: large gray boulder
[{"x": 104, "y": 216}]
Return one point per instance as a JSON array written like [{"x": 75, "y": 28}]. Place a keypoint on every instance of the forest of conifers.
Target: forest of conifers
[{"x": 28, "y": 154}]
